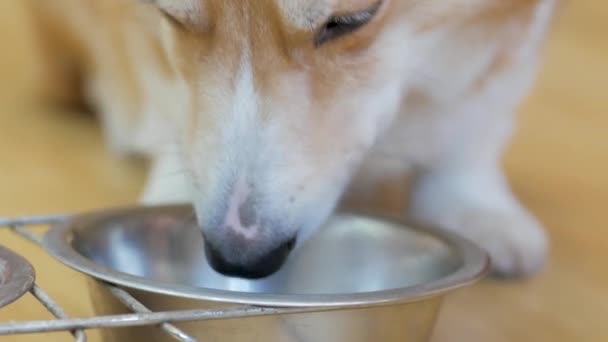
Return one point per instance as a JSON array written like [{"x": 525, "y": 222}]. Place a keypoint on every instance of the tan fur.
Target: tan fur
[{"x": 239, "y": 91}]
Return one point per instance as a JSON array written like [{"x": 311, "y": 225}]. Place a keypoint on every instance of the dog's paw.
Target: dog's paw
[{"x": 517, "y": 243}]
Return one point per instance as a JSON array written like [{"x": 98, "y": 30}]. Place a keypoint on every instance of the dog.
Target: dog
[{"x": 263, "y": 113}]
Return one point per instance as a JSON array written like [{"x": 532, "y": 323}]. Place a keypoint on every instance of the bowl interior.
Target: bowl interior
[{"x": 351, "y": 254}]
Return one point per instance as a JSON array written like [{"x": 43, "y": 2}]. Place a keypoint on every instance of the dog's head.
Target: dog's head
[{"x": 281, "y": 100}]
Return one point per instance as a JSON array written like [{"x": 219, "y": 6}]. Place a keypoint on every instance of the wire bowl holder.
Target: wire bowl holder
[{"x": 140, "y": 316}]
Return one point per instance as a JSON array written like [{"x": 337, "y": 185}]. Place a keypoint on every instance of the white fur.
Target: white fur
[
  {"x": 239, "y": 137},
  {"x": 456, "y": 147},
  {"x": 167, "y": 182}
]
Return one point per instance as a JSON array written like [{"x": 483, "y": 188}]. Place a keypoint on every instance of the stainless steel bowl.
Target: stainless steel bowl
[
  {"x": 366, "y": 278},
  {"x": 16, "y": 276}
]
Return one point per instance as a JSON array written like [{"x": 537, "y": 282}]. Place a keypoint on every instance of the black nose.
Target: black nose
[{"x": 255, "y": 269}]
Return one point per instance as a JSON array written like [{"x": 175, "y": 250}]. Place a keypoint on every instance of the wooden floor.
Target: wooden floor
[{"x": 558, "y": 164}]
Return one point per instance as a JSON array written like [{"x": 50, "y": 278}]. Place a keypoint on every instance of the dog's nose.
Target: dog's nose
[{"x": 260, "y": 267}]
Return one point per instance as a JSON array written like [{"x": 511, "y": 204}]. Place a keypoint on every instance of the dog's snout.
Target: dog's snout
[
  {"x": 260, "y": 267},
  {"x": 242, "y": 233}
]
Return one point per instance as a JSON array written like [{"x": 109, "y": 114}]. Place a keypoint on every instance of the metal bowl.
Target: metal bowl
[
  {"x": 365, "y": 278},
  {"x": 16, "y": 276}
]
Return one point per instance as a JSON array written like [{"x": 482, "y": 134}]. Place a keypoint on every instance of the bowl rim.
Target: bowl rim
[
  {"x": 20, "y": 274},
  {"x": 475, "y": 266}
]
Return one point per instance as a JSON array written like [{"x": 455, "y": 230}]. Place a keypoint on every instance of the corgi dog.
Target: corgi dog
[{"x": 263, "y": 114}]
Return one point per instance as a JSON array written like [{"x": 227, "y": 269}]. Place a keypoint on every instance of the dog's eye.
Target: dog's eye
[
  {"x": 171, "y": 18},
  {"x": 183, "y": 14},
  {"x": 340, "y": 25}
]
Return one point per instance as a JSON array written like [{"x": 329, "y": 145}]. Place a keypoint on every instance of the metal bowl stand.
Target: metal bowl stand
[{"x": 140, "y": 316}]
